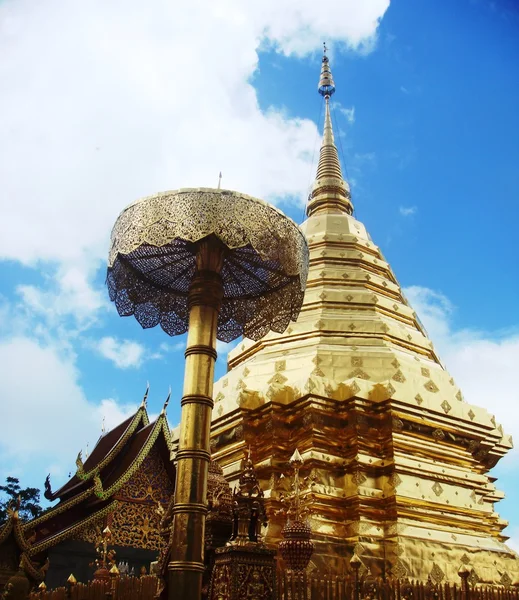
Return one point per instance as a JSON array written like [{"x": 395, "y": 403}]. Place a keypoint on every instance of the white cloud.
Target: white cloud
[
  {"x": 407, "y": 211},
  {"x": 66, "y": 293},
  {"x": 483, "y": 364},
  {"x": 98, "y": 110},
  {"x": 123, "y": 353},
  {"x": 404, "y": 90},
  {"x": 349, "y": 113},
  {"x": 43, "y": 404}
]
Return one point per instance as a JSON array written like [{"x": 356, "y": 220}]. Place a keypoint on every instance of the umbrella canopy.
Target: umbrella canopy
[{"x": 153, "y": 252}]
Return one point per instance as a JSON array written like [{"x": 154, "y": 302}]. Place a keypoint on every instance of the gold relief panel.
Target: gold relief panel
[
  {"x": 151, "y": 482},
  {"x": 278, "y": 378},
  {"x": 359, "y": 373},
  {"x": 505, "y": 580},
  {"x": 135, "y": 522},
  {"x": 438, "y": 435},
  {"x": 358, "y": 477},
  {"x": 399, "y": 376},
  {"x": 430, "y": 386},
  {"x": 437, "y": 488},
  {"x": 394, "y": 480},
  {"x": 436, "y": 575},
  {"x": 280, "y": 365},
  {"x": 136, "y": 525},
  {"x": 473, "y": 578},
  {"x": 399, "y": 569},
  {"x": 446, "y": 406}
]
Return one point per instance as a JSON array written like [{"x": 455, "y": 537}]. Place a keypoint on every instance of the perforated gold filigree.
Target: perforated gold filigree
[{"x": 152, "y": 261}]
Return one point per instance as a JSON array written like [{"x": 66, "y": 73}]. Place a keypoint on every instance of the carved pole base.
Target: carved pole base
[{"x": 243, "y": 573}]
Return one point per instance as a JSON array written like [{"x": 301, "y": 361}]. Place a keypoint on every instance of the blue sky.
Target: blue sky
[{"x": 101, "y": 110}]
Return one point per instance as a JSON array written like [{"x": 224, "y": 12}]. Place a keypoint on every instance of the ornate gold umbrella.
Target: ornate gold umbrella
[{"x": 217, "y": 264}]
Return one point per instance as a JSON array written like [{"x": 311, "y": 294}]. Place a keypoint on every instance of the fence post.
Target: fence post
[
  {"x": 355, "y": 563},
  {"x": 464, "y": 575},
  {"x": 71, "y": 581}
]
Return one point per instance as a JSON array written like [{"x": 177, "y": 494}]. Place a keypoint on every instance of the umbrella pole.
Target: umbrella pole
[{"x": 186, "y": 565}]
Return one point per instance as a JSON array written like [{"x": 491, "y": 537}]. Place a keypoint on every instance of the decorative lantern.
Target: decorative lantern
[{"x": 297, "y": 547}]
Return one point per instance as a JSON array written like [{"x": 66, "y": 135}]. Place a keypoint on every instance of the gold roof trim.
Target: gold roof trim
[
  {"x": 140, "y": 416},
  {"x": 63, "y": 535}
]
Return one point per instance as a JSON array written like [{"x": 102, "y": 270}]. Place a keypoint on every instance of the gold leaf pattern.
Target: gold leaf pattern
[
  {"x": 359, "y": 373},
  {"x": 394, "y": 480},
  {"x": 358, "y": 477},
  {"x": 437, "y": 488},
  {"x": 277, "y": 378},
  {"x": 175, "y": 220},
  {"x": 280, "y": 365},
  {"x": 436, "y": 574},
  {"x": 446, "y": 406},
  {"x": 430, "y": 386},
  {"x": 473, "y": 578},
  {"x": 399, "y": 376},
  {"x": 438, "y": 435}
]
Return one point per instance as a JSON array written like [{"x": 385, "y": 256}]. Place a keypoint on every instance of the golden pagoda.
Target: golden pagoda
[{"x": 396, "y": 461}]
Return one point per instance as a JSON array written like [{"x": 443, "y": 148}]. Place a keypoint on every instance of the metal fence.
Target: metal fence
[
  {"x": 296, "y": 586},
  {"x": 124, "y": 588},
  {"x": 317, "y": 586}
]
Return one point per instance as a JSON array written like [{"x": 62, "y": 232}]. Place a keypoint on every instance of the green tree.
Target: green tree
[{"x": 29, "y": 500}]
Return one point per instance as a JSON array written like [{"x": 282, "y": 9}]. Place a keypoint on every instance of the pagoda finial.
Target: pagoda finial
[{"x": 330, "y": 192}]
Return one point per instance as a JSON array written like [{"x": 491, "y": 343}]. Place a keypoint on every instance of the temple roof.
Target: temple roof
[{"x": 91, "y": 493}]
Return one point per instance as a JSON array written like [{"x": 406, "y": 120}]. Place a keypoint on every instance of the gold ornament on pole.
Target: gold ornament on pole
[
  {"x": 217, "y": 264},
  {"x": 297, "y": 547}
]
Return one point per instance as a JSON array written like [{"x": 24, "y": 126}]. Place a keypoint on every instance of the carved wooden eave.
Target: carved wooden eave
[
  {"x": 106, "y": 449},
  {"x": 98, "y": 496}
]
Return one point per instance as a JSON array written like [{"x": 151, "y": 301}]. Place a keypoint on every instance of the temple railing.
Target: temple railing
[
  {"x": 296, "y": 586},
  {"x": 124, "y": 588},
  {"x": 318, "y": 586}
]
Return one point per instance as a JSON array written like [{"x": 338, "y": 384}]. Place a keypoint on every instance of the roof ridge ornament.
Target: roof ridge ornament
[
  {"x": 145, "y": 398},
  {"x": 166, "y": 403}
]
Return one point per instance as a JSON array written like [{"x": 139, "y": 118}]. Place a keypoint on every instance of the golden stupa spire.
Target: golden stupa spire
[{"x": 330, "y": 192}]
